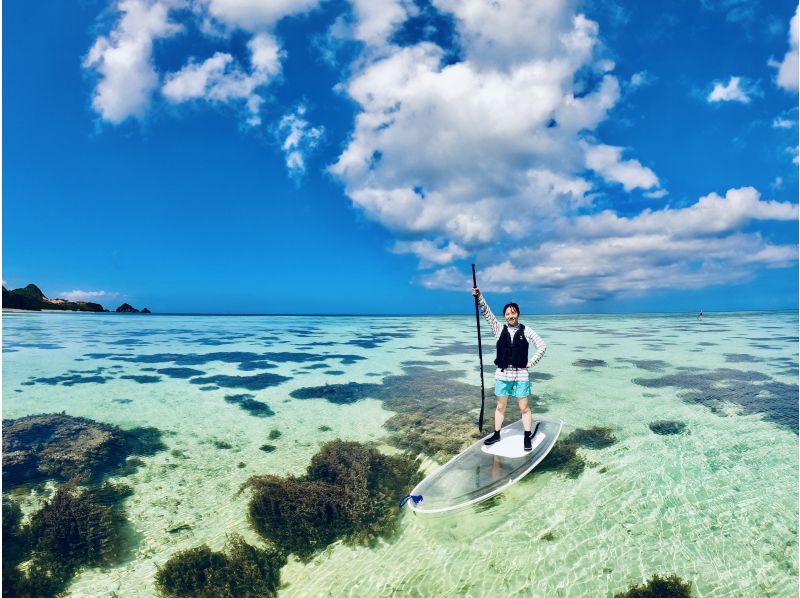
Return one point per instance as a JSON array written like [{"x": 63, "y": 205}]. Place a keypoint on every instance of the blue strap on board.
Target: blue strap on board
[{"x": 417, "y": 498}]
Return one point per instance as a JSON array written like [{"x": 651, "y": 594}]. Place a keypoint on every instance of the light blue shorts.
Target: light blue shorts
[{"x": 516, "y": 389}]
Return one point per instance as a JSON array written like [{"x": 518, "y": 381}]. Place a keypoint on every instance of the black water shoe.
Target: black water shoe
[
  {"x": 493, "y": 438},
  {"x": 526, "y": 441}
]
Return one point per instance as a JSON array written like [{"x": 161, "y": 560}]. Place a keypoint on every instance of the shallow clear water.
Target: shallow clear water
[{"x": 718, "y": 505}]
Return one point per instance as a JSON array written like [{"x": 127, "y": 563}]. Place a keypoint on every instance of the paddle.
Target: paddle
[{"x": 480, "y": 349}]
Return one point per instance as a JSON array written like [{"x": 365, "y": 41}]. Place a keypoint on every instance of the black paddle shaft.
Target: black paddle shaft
[{"x": 480, "y": 349}]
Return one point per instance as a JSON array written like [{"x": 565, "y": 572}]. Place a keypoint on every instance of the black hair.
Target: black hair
[{"x": 513, "y": 306}]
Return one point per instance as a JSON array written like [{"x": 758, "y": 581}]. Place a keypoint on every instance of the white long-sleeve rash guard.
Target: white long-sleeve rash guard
[{"x": 513, "y": 374}]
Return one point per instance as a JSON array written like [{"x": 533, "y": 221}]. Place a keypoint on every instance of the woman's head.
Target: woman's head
[{"x": 511, "y": 313}]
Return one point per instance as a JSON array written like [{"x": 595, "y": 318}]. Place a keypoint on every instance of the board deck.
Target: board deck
[{"x": 481, "y": 471}]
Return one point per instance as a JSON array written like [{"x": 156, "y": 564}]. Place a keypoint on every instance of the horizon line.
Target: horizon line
[{"x": 396, "y": 315}]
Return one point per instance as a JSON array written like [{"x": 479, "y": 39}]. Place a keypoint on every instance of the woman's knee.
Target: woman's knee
[{"x": 523, "y": 406}]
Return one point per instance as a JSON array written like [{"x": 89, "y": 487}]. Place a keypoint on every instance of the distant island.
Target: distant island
[{"x": 31, "y": 298}]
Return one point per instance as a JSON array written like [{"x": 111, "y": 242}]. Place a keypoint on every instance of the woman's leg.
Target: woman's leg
[
  {"x": 500, "y": 412},
  {"x": 526, "y": 413}
]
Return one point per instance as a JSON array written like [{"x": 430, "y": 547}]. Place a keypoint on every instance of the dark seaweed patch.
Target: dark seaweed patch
[
  {"x": 257, "y": 382},
  {"x": 256, "y": 365},
  {"x": 741, "y": 358},
  {"x": 439, "y": 437},
  {"x": 287, "y": 357},
  {"x": 249, "y": 404},
  {"x": 68, "y": 380},
  {"x": 208, "y": 388},
  {"x": 237, "y": 357},
  {"x": 540, "y": 376},
  {"x": 129, "y": 342},
  {"x": 589, "y": 363},
  {"x": 666, "y": 427},
  {"x": 752, "y": 391},
  {"x": 334, "y": 373},
  {"x": 180, "y": 372},
  {"x": 350, "y": 493},
  {"x": 433, "y": 362},
  {"x": 596, "y": 438},
  {"x": 650, "y": 365},
  {"x": 31, "y": 345},
  {"x": 242, "y": 570},
  {"x": 341, "y": 394},
  {"x": 661, "y": 587},
  {"x": 142, "y": 379},
  {"x": 371, "y": 341},
  {"x": 75, "y": 528},
  {"x": 315, "y": 366},
  {"x": 564, "y": 458}
]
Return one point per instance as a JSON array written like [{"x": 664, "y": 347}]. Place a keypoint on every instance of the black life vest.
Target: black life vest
[{"x": 512, "y": 354}]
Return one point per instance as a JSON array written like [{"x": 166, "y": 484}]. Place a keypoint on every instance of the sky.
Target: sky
[{"x": 308, "y": 156}]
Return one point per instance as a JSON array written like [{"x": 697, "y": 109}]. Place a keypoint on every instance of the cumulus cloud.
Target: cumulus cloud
[
  {"x": 95, "y": 296},
  {"x": 781, "y": 122},
  {"x": 606, "y": 161},
  {"x": 298, "y": 138},
  {"x": 219, "y": 80},
  {"x": 736, "y": 89},
  {"x": 128, "y": 77},
  {"x": 444, "y": 150},
  {"x": 787, "y": 75},
  {"x": 123, "y": 59},
  {"x": 376, "y": 20},
  {"x": 640, "y": 79},
  {"x": 430, "y": 253},
  {"x": 593, "y": 257},
  {"x": 255, "y": 15}
]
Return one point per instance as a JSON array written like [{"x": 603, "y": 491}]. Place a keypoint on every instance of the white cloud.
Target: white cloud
[
  {"x": 219, "y": 80},
  {"x": 376, "y": 20},
  {"x": 123, "y": 59},
  {"x": 736, "y": 89},
  {"x": 640, "y": 79},
  {"x": 606, "y": 160},
  {"x": 598, "y": 256},
  {"x": 298, "y": 138},
  {"x": 787, "y": 75},
  {"x": 429, "y": 252},
  {"x": 491, "y": 135},
  {"x": 255, "y": 15},
  {"x": 95, "y": 296},
  {"x": 711, "y": 215},
  {"x": 128, "y": 77},
  {"x": 783, "y": 123}
]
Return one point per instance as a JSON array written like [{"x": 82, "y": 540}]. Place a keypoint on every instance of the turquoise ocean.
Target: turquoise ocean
[{"x": 716, "y": 503}]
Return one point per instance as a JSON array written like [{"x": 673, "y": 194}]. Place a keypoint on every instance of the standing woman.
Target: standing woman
[{"x": 511, "y": 377}]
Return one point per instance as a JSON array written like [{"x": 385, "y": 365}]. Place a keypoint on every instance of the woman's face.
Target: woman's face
[{"x": 512, "y": 316}]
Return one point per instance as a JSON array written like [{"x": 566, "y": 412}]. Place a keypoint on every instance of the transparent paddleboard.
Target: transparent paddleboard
[{"x": 482, "y": 471}]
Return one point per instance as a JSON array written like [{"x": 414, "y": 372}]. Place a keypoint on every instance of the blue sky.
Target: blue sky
[{"x": 276, "y": 156}]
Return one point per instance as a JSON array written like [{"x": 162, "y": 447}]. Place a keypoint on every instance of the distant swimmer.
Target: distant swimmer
[
  {"x": 700, "y": 315},
  {"x": 511, "y": 377}
]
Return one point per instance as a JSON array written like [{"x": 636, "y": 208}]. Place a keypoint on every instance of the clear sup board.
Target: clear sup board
[{"x": 482, "y": 471}]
